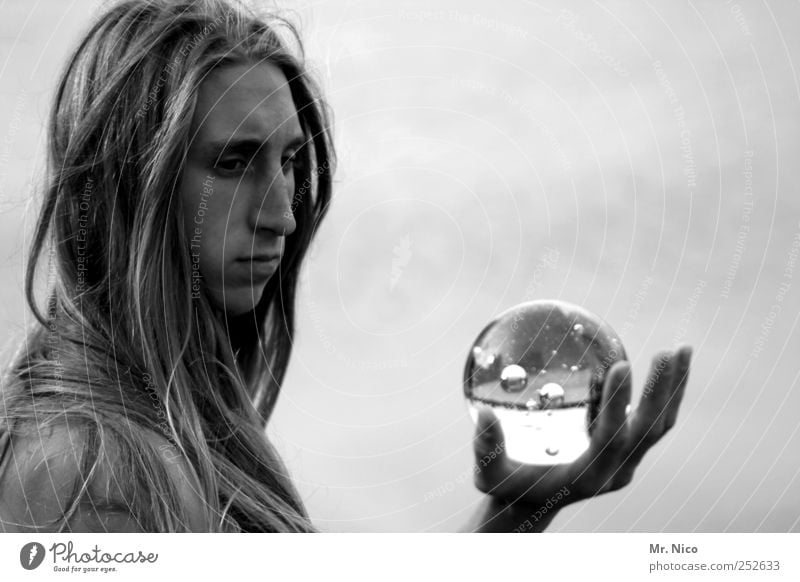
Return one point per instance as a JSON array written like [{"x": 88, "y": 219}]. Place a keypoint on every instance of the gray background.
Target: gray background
[{"x": 476, "y": 144}]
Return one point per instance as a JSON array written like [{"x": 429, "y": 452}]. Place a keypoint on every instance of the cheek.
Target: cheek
[
  {"x": 215, "y": 221},
  {"x": 203, "y": 221}
]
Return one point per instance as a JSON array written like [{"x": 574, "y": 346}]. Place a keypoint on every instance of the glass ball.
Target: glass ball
[{"x": 540, "y": 367}]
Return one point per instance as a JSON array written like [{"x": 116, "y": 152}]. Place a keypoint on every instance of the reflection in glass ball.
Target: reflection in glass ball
[
  {"x": 540, "y": 366},
  {"x": 513, "y": 378}
]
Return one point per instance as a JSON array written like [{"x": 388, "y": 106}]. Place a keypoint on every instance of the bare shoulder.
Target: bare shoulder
[
  {"x": 40, "y": 469},
  {"x": 43, "y": 469}
]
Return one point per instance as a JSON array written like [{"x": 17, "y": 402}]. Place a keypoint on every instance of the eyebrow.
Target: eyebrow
[{"x": 248, "y": 144}]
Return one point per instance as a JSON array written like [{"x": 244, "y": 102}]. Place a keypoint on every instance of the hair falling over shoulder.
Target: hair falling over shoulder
[{"x": 121, "y": 348}]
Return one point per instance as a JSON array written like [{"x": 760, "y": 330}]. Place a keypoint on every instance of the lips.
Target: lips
[
  {"x": 262, "y": 258},
  {"x": 259, "y": 266}
]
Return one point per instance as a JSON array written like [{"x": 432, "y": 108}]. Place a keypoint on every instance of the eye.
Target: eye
[
  {"x": 289, "y": 162},
  {"x": 231, "y": 165}
]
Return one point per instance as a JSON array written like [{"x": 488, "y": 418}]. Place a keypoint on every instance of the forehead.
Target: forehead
[{"x": 245, "y": 99}]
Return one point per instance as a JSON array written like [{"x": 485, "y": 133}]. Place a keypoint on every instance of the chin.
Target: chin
[
  {"x": 237, "y": 308},
  {"x": 242, "y": 302},
  {"x": 237, "y": 300}
]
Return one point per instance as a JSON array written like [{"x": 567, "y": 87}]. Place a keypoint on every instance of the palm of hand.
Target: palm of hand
[{"x": 618, "y": 442}]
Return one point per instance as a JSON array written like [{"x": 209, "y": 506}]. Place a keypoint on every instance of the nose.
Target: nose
[{"x": 275, "y": 208}]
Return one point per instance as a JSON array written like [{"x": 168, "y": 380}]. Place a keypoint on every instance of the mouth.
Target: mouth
[
  {"x": 260, "y": 266},
  {"x": 262, "y": 258}
]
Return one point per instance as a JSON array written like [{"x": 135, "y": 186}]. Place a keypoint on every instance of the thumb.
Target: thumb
[
  {"x": 490, "y": 452},
  {"x": 489, "y": 439}
]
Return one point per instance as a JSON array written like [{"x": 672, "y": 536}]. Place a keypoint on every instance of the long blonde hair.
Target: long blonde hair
[{"x": 123, "y": 348}]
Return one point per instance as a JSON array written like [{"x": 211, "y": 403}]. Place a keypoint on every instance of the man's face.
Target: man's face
[{"x": 238, "y": 182}]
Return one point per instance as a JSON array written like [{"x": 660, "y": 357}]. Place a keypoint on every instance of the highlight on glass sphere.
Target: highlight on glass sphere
[{"x": 540, "y": 367}]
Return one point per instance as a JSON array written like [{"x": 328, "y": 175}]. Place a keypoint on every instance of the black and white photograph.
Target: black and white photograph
[{"x": 354, "y": 266}]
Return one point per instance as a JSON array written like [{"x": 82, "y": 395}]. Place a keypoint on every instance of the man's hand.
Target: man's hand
[{"x": 618, "y": 443}]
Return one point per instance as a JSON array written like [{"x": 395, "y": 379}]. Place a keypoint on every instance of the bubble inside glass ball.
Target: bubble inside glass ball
[
  {"x": 551, "y": 395},
  {"x": 540, "y": 366},
  {"x": 513, "y": 378}
]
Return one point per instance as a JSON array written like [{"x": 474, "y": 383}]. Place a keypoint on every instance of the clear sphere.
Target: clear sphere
[{"x": 540, "y": 366}]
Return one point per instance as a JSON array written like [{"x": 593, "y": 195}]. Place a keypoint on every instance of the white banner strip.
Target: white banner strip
[{"x": 418, "y": 557}]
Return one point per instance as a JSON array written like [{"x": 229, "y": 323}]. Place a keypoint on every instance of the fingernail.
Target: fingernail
[{"x": 621, "y": 374}]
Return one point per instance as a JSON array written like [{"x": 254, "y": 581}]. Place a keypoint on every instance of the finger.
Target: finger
[
  {"x": 609, "y": 434},
  {"x": 489, "y": 451},
  {"x": 649, "y": 418},
  {"x": 489, "y": 438},
  {"x": 680, "y": 379}
]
